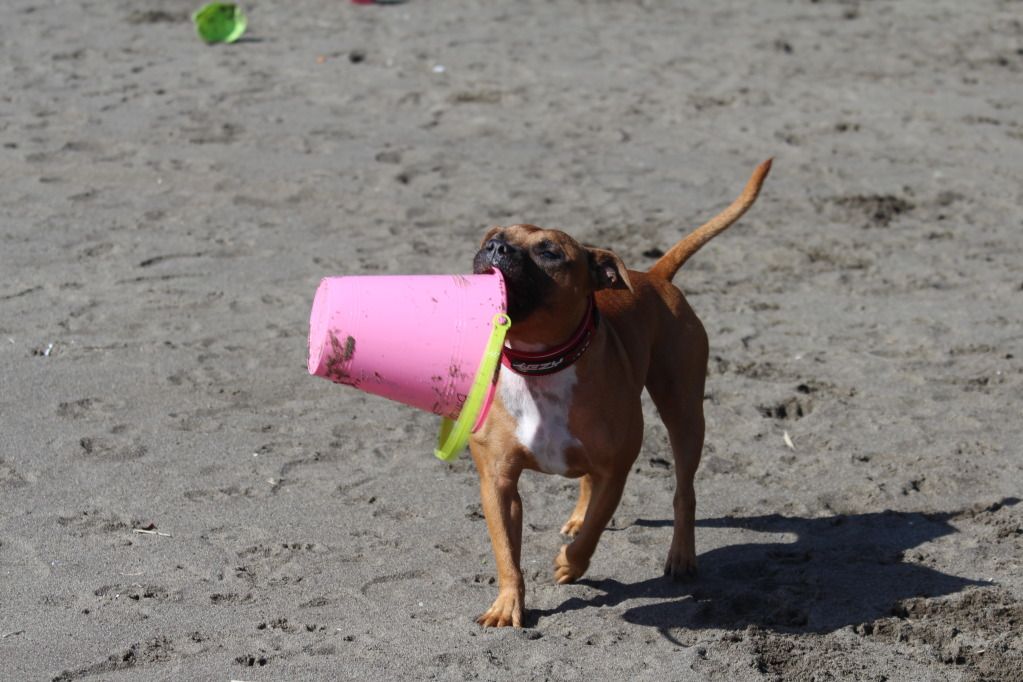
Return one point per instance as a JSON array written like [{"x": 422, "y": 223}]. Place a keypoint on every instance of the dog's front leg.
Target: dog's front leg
[
  {"x": 502, "y": 508},
  {"x": 575, "y": 521},
  {"x": 574, "y": 558}
]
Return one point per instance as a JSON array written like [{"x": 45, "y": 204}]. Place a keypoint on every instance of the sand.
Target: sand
[{"x": 179, "y": 500}]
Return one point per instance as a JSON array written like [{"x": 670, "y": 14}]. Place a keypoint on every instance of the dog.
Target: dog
[{"x": 587, "y": 336}]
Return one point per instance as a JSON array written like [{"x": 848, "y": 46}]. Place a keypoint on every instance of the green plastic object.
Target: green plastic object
[
  {"x": 220, "y": 22},
  {"x": 454, "y": 435}
]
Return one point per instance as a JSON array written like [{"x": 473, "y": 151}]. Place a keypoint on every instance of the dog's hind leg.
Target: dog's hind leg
[
  {"x": 686, "y": 438},
  {"x": 676, "y": 387}
]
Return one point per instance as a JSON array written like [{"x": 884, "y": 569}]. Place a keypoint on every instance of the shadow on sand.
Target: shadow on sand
[{"x": 840, "y": 571}]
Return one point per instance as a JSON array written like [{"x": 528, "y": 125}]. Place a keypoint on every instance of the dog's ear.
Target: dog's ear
[
  {"x": 490, "y": 234},
  {"x": 608, "y": 270}
]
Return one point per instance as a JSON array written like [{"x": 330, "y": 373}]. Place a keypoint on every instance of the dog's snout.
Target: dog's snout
[
  {"x": 496, "y": 247},
  {"x": 497, "y": 253}
]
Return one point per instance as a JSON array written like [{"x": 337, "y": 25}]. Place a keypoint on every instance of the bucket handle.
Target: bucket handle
[{"x": 455, "y": 434}]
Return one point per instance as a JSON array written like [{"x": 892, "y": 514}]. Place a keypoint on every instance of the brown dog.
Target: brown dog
[{"x": 587, "y": 335}]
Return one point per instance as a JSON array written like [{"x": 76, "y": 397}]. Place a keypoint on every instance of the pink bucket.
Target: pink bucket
[{"x": 417, "y": 339}]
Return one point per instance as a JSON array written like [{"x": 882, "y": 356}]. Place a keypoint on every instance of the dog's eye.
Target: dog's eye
[{"x": 548, "y": 252}]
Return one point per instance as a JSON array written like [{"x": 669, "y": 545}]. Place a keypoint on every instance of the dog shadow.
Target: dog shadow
[{"x": 839, "y": 571}]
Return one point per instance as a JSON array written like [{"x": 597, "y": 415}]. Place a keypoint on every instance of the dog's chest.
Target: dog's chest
[{"x": 540, "y": 406}]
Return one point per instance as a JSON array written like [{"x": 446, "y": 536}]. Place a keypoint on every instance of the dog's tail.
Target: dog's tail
[{"x": 668, "y": 264}]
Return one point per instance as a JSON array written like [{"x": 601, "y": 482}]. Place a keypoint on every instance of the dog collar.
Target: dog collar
[{"x": 558, "y": 358}]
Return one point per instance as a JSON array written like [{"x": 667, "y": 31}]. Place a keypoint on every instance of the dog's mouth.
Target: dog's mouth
[
  {"x": 486, "y": 266},
  {"x": 525, "y": 287}
]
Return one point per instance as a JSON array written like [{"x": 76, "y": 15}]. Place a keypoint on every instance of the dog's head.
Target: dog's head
[{"x": 549, "y": 275}]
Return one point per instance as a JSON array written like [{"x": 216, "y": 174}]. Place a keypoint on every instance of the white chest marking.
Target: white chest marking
[{"x": 540, "y": 407}]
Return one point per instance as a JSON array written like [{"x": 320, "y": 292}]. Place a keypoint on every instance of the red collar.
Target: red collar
[{"x": 558, "y": 358}]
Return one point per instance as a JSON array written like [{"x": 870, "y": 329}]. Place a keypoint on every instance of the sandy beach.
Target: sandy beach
[{"x": 179, "y": 500}]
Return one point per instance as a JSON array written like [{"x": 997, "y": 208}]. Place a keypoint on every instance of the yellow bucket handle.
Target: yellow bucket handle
[{"x": 455, "y": 434}]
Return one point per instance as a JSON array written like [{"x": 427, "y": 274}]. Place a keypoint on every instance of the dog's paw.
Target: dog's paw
[
  {"x": 680, "y": 567},
  {"x": 572, "y": 526},
  {"x": 506, "y": 610},
  {"x": 567, "y": 570}
]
